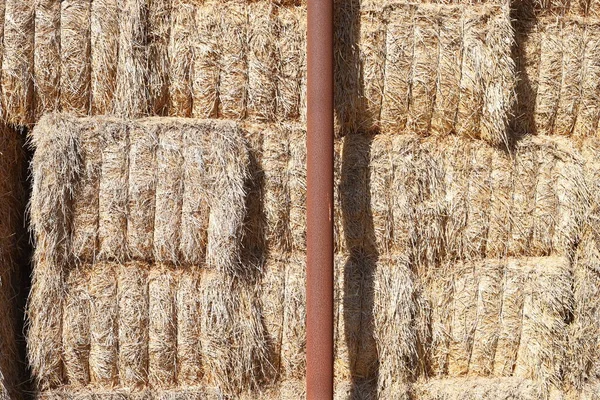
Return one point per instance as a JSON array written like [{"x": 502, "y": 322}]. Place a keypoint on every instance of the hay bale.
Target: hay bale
[
  {"x": 546, "y": 202},
  {"x": 261, "y": 61},
  {"x": 381, "y": 177},
  {"x": 233, "y": 72},
  {"x": 189, "y": 353},
  {"x": 104, "y": 331},
  {"x": 85, "y": 206},
  {"x": 290, "y": 55},
  {"x": 181, "y": 57},
  {"x": 371, "y": 47},
  {"x": 112, "y": 196},
  {"x": 478, "y": 388},
  {"x": 133, "y": 322},
  {"x": 550, "y": 77},
  {"x": 448, "y": 71},
  {"x": 394, "y": 331},
  {"x": 277, "y": 202},
  {"x": 169, "y": 196},
  {"x": 132, "y": 91},
  {"x": 75, "y": 56},
  {"x": 399, "y": 53},
  {"x": 546, "y": 306},
  {"x": 205, "y": 79},
  {"x": 272, "y": 297},
  {"x": 423, "y": 70},
  {"x": 17, "y": 61},
  {"x": 162, "y": 327},
  {"x": 76, "y": 327},
  {"x": 479, "y": 194},
  {"x": 293, "y": 341},
  {"x": 104, "y": 54},
  {"x": 588, "y": 111},
  {"x": 158, "y": 35},
  {"x": 500, "y": 203},
  {"x": 142, "y": 186},
  {"x": 47, "y": 56}
]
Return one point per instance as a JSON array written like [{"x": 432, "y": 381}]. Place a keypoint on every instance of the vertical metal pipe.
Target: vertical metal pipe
[{"x": 319, "y": 202}]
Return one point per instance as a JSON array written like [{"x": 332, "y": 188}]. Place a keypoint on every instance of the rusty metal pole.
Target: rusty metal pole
[{"x": 319, "y": 202}]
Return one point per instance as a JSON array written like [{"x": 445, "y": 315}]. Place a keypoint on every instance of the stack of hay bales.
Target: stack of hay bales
[
  {"x": 11, "y": 211},
  {"x": 139, "y": 285}
]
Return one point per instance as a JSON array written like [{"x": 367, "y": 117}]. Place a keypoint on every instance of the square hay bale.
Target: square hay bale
[
  {"x": 478, "y": 388},
  {"x": 157, "y": 47},
  {"x": 47, "y": 56},
  {"x": 162, "y": 296},
  {"x": 75, "y": 78},
  {"x": 206, "y": 56},
  {"x": 17, "y": 61},
  {"x": 104, "y": 54},
  {"x": 181, "y": 57}
]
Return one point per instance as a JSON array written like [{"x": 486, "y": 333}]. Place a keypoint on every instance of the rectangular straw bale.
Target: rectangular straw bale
[
  {"x": 569, "y": 170},
  {"x": 255, "y": 223},
  {"x": 438, "y": 293},
  {"x": 479, "y": 388},
  {"x": 498, "y": 75},
  {"x": 550, "y": 78},
  {"x": 448, "y": 71},
  {"x": 297, "y": 187},
  {"x": 405, "y": 193},
  {"x": 75, "y": 50},
  {"x": 159, "y": 30},
  {"x": 189, "y": 359},
  {"x": 112, "y": 231},
  {"x": 394, "y": 327},
  {"x": 488, "y": 303},
  {"x": 272, "y": 296},
  {"x": 233, "y": 81},
  {"x": 104, "y": 54},
  {"x": 261, "y": 61},
  {"x": 371, "y": 47},
  {"x": 423, "y": 70},
  {"x": 290, "y": 53},
  {"x": 194, "y": 207},
  {"x": 293, "y": 342},
  {"x": 47, "y": 56},
  {"x": 501, "y": 183},
  {"x": 399, "y": 53},
  {"x": 588, "y": 111},
  {"x": 141, "y": 191},
  {"x": 276, "y": 159},
  {"x": 523, "y": 200},
  {"x": 381, "y": 177},
  {"x": 479, "y": 195},
  {"x": 53, "y": 179},
  {"x": 471, "y": 90},
  {"x": 511, "y": 317},
  {"x": 354, "y": 189},
  {"x": 527, "y": 60},
  {"x": 132, "y": 93},
  {"x": 584, "y": 345},
  {"x": 547, "y": 303},
  {"x": 104, "y": 333},
  {"x": 133, "y": 322},
  {"x": 463, "y": 324},
  {"x": 76, "y": 327},
  {"x": 234, "y": 346},
  {"x": 17, "y": 61},
  {"x": 457, "y": 180},
  {"x": 570, "y": 86},
  {"x": 546, "y": 203},
  {"x": 162, "y": 327},
  {"x": 205, "y": 79},
  {"x": 169, "y": 190},
  {"x": 181, "y": 57},
  {"x": 85, "y": 201}
]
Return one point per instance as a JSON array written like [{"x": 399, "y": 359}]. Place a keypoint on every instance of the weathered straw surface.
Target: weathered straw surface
[
  {"x": 139, "y": 223},
  {"x": 11, "y": 210}
]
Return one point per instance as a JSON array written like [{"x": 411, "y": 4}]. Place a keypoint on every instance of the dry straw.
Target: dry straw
[
  {"x": 104, "y": 54},
  {"x": 148, "y": 252},
  {"x": 47, "y": 57},
  {"x": 181, "y": 57}
]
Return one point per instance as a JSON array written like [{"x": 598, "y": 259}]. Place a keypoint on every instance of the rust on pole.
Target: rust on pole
[{"x": 319, "y": 201}]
